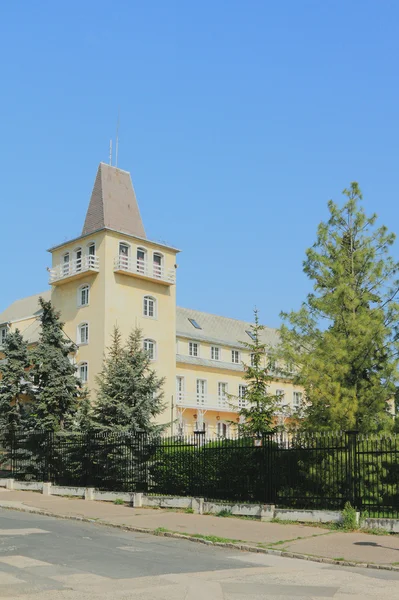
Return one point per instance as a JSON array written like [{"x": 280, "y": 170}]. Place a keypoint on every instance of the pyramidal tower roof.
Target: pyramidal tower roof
[{"x": 113, "y": 203}]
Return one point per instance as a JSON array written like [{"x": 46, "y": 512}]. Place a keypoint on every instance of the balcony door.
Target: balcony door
[
  {"x": 157, "y": 265},
  {"x": 124, "y": 252},
  {"x": 141, "y": 260},
  {"x": 201, "y": 392}
]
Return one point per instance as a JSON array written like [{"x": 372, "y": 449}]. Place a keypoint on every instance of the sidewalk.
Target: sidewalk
[{"x": 300, "y": 539}]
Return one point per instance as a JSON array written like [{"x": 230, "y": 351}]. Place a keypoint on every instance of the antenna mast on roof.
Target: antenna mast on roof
[
  {"x": 110, "y": 152},
  {"x": 117, "y": 141}
]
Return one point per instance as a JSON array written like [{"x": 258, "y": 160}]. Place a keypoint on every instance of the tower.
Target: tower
[{"x": 114, "y": 275}]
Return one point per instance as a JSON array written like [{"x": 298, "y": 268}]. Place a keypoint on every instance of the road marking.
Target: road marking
[
  {"x": 22, "y": 562},
  {"x": 7, "y": 579},
  {"x": 21, "y": 531}
]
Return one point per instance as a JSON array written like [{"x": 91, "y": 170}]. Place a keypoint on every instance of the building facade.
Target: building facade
[{"x": 114, "y": 275}]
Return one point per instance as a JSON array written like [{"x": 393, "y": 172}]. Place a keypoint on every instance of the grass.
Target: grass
[
  {"x": 119, "y": 501},
  {"x": 209, "y": 538},
  {"x": 224, "y": 513},
  {"x": 340, "y": 558},
  {"x": 189, "y": 511}
]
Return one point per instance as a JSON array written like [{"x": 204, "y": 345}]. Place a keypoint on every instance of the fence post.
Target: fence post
[
  {"x": 268, "y": 469},
  {"x": 352, "y": 470}
]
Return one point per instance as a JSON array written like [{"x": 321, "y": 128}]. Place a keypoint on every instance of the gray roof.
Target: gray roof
[
  {"x": 220, "y": 330},
  {"x": 23, "y": 308},
  {"x": 207, "y": 362},
  {"x": 113, "y": 203}
]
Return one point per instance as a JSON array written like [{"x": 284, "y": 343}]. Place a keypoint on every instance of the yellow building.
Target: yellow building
[{"x": 113, "y": 275}]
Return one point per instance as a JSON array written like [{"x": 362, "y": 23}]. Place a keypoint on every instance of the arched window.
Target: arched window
[
  {"x": 150, "y": 307},
  {"x": 150, "y": 347},
  {"x": 83, "y": 370},
  {"x": 157, "y": 264},
  {"x": 91, "y": 253},
  {"x": 141, "y": 260},
  {"x": 83, "y": 295},
  {"x": 83, "y": 333},
  {"x": 65, "y": 264},
  {"x": 78, "y": 259}
]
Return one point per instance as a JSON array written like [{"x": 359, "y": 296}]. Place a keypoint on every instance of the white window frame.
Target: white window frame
[
  {"x": 201, "y": 395},
  {"x": 299, "y": 396},
  {"x": 146, "y": 347},
  {"x": 223, "y": 425},
  {"x": 141, "y": 265},
  {"x": 3, "y": 334},
  {"x": 146, "y": 299},
  {"x": 157, "y": 269},
  {"x": 79, "y": 333},
  {"x": 80, "y": 290},
  {"x": 81, "y": 365},
  {"x": 223, "y": 395},
  {"x": 233, "y": 354},
  {"x": 242, "y": 390},
  {"x": 215, "y": 352},
  {"x": 91, "y": 245},
  {"x": 78, "y": 267},
  {"x": 191, "y": 347},
  {"x": 180, "y": 387},
  {"x": 66, "y": 264}
]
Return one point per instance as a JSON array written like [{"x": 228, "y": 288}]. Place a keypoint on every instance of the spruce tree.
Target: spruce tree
[
  {"x": 129, "y": 391},
  {"x": 57, "y": 389},
  {"x": 15, "y": 382},
  {"x": 259, "y": 413},
  {"x": 344, "y": 339}
]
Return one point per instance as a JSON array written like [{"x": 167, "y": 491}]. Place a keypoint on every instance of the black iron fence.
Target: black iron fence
[{"x": 307, "y": 471}]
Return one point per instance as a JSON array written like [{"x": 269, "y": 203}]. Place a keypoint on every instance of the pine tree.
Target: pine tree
[
  {"x": 57, "y": 389},
  {"x": 15, "y": 382},
  {"x": 344, "y": 339},
  {"x": 258, "y": 415},
  {"x": 129, "y": 391}
]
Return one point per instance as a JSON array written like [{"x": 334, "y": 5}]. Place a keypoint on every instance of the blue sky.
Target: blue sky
[{"x": 239, "y": 120}]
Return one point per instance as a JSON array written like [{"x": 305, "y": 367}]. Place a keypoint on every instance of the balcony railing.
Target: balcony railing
[
  {"x": 142, "y": 268},
  {"x": 208, "y": 402},
  {"x": 74, "y": 268}
]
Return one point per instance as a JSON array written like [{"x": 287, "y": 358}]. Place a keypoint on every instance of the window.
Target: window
[
  {"x": 179, "y": 389},
  {"x": 201, "y": 391},
  {"x": 251, "y": 334},
  {"x": 83, "y": 372},
  {"x": 200, "y": 425},
  {"x": 222, "y": 394},
  {"x": 222, "y": 429},
  {"x": 83, "y": 333},
  {"x": 235, "y": 357},
  {"x": 157, "y": 264},
  {"x": 3, "y": 335},
  {"x": 297, "y": 400},
  {"x": 141, "y": 258},
  {"x": 195, "y": 324},
  {"x": 78, "y": 259},
  {"x": 193, "y": 349},
  {"x": 149, "y": 307},
  {"x": 252, "y": 359},
  {"x": 215, "y": 353},
  {"x": 150, "y": 348},
  {"x": 242, "y": 391},
  {"x": 83, "y": 295},
  {"x": 280, "y": 395},
  {"x": 271, "y": 365},
  {"x": 91, "y": 251},
  {"x": 65, "y": 266},
  {"x": 124, "y": 252}
]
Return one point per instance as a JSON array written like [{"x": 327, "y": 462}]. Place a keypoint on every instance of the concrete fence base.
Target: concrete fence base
[{"x": 263, "y": 512}]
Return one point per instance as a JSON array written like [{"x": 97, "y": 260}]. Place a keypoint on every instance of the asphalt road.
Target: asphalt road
[{"x": 47, "y": 558}]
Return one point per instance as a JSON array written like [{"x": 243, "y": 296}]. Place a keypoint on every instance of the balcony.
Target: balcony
[
  {"x": 144, "y": 270},
  {"x": 208, "y": 402},
  {"x": 74, "y": 269}
]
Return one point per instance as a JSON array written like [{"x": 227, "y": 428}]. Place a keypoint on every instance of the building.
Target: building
[{"x": 113, "y": 274}]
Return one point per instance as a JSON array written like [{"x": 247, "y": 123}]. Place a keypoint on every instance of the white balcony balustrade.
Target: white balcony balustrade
[
  {"x": 74, "y": 269},
  {"x": 144, "y": 269},
  {"x": 207, "y": 402}
]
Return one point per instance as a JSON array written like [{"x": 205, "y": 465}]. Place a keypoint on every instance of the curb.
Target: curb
[{"x": 181, "y": 536}]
